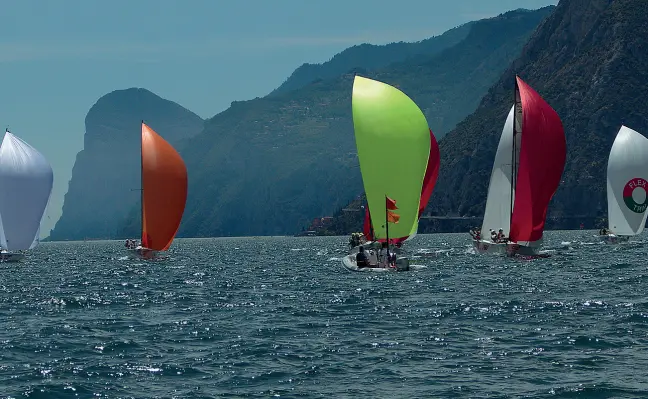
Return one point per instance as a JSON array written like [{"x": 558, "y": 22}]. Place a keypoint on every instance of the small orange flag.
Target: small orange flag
[
  {"x": 392, "y": 217},
  {"x": 390, "y": 203}
]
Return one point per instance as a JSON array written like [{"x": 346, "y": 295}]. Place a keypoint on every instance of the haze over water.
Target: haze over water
[{"x": 281, "y": 317}]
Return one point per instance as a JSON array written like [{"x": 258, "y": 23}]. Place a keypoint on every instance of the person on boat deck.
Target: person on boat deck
[
  {"x": 500, "y": 236},
  {"x": 363, "y": 239},
  {"x": 493, "y": 235},
  {"x": 354, "y": 241},
  {"x": 475, "y": 233},
  {"x": 361, "y": 258},
  {"x": 384, "y": 255}
]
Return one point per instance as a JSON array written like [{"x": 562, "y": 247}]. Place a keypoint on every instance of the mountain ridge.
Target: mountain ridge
[{"x": 265, "y": 166}]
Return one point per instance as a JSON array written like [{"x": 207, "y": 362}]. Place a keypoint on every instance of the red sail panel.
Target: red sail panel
[
  {"x": 164, "y": 185},
  {"x": 429, "y": 181},
  {"x": 542, "y": 161},
  {"x": 431, "y": 173},
  {"x": 366, "y": 226}
]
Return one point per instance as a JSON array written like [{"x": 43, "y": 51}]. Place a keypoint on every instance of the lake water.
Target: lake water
[{"x": 281, "y": 317}]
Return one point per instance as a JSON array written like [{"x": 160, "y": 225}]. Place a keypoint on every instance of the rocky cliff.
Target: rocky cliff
[
  {"x": 588, "y": 61},
  {"x": 100, "y": 196}
]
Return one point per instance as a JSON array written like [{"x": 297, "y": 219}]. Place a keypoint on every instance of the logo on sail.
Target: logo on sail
[{"x": 630, "y": 187}]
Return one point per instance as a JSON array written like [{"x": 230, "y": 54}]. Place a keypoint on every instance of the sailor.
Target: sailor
[
  {"x": 384, "y": 254},
  {"x": 493, "y": 235},
  {"x": 361, "y": 258},
  {"x": 500, "y": 236}
]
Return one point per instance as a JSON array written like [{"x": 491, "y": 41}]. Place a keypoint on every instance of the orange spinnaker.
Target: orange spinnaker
[{"x": 164, "y": 186}]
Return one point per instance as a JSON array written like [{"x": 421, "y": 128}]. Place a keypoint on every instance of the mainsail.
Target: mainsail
[
  {"x": 498, "y": 202},
  {"x": 627, "y": 183},
  {"x": 429, "y": 181},
  {"x": 164, "y": 190},
  {"x": 393, "y": 142},
  {"x": 542, "y": 154},
  {"x": 26, "y": 178}
]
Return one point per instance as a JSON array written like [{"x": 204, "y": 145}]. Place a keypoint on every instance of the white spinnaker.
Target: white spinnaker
[
  {"x": 26, "y": 180},
  {"x": 627, "y": 165},
  {"x": 498, "y": 203}
]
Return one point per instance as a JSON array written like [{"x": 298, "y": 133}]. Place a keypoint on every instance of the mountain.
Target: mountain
[
  {"x": 269, "y": 165},
  {"x": 369, "y": 56},
  {"x": 107, "y": 171},
  {"x": 588, "y": 61}
]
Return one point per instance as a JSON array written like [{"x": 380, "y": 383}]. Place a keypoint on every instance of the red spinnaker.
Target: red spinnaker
[
  {"x": 542, "y": 161},
  {"x": 429, "y": 181}
]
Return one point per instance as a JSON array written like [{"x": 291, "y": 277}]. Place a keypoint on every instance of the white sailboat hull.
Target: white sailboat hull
[
  {"x": 402, "y": 265},
  {"x": 509, "y": 248},
  {"x": 489, "y": 247},
  {"x": 142, "y": 253},
  {"x": 613, "y": 238}
]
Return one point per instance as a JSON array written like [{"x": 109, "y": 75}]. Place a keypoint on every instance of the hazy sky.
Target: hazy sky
[{"x": 58, "y": 57}]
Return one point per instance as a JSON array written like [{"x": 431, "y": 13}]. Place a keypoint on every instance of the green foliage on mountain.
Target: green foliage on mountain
[
  {"x": 588, "y": 62},
  {"x": 269, "y": 165}
]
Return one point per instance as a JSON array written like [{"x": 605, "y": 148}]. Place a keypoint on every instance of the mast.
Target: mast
[
  {"x": 513, "y": 176},
  {"x": 387, "y": 225},
  {"x": 141, "y": 186}
]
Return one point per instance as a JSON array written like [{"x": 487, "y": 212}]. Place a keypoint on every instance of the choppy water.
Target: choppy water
[{"x": 281, "y": 317}]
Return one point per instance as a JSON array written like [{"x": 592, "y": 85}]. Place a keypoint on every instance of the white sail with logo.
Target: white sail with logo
[
  {"x": 26, "y": 180},
  {"x": 627, "y": 182}
]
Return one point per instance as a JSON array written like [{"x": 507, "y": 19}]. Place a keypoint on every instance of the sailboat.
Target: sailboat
[
  {"x": 429, "y": 181},
  {"x": 528, "y": 166},
  {"x": 393, "y": 143},
  {"x": 26, "y": 178},
  {"x": 164, "y": 195},
  {"x": 627, "y": 185}
]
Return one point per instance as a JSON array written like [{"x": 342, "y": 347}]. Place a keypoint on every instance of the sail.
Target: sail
[
  {"x": 543, "y": 150},
  {"x": 393, "y": 142},
  {"x": 627, "y": 182},
  {"x": 431, "y": 174},
  {"x": 26, "y": 178},
  {"x": 164, "y": 190},
  {"x": 498, "y": 202},
  {"x": 429, "y": 181}
]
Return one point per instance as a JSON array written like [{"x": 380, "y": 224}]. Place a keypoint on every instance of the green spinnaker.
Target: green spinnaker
[{"x": 393, "y": 142}]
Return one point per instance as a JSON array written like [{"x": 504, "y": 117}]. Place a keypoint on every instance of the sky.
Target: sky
[{"x": 57, "y": 58}]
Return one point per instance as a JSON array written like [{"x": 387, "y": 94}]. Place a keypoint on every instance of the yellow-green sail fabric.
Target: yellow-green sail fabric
[{"x": 393, "y": 141}]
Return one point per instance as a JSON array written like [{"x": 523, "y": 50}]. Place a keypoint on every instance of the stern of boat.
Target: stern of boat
[
  {"x": 11, "y": 257},
  {"x": 142, "y": 253},
  {"x": 613, "y": 239}
]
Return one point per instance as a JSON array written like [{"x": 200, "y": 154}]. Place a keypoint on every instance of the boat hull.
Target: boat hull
[
  {"x": 142, "y": 253},
  {"x": 402, "y": 265},
  {"x": 613, "y": 239},
  {"x": 11, "y": 257},
  {"x": 488, "y": 247},
  {"x": 511, "y": 249}
]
